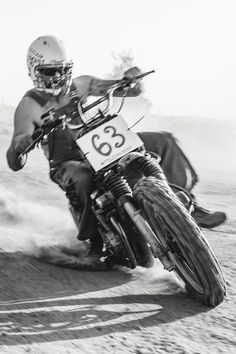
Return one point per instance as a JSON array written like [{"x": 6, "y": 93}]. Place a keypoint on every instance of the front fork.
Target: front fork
[
  {"x": 122, "y": 192},
  {"x": 146, "y": 231}
]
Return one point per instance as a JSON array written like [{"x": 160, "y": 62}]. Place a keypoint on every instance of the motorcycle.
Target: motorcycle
[{"x": 140, "y": 216}]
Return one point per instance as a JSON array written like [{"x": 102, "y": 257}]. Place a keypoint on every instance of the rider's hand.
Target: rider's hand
[
  {"x": 135, "y": 86},
  {"x": 132, "y": 72},
  {"x": 21, "y": 142}
]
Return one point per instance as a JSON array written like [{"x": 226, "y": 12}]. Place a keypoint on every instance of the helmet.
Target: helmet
[{"x": 48, "y": 65}]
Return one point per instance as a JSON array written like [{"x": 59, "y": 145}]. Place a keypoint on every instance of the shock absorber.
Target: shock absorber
[
  {"x": 136, "y": 165},
  {"x": 118, "y": 185},
  {"x": 149, "y": 167}
]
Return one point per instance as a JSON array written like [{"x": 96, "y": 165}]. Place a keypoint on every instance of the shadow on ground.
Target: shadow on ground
[{"x": 36, "y": 303}]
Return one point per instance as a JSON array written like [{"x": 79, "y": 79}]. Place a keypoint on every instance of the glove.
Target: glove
[
  {"x": 136, "y": 86},
  {"x": 21, "y": 142},
  {"x": 132, "y": 72}
]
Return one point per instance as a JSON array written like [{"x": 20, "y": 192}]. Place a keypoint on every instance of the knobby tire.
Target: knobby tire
[{"x": 184, "y": 241}]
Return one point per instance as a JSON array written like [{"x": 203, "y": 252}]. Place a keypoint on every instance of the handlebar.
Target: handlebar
[
  {"x": 121, "y": 84},
  {"x": 118, "y": 85},
  {"x": 54, "y": 118}
]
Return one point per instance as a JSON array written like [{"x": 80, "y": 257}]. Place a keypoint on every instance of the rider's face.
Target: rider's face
[
  {"x": 55, "y": 78},
  {"x": 55, "y": 81}
]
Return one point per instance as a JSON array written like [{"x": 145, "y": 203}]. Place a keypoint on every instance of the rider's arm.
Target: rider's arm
[
  {"x": 99, "y": 87},
  {"x": 27, "y": 116}
]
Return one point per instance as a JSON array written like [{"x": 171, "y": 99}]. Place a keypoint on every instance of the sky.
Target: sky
[{"x": 191, "y": 44}]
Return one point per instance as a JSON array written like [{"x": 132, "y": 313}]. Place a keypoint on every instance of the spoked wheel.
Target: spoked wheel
[{"x": 183, "y": 240}]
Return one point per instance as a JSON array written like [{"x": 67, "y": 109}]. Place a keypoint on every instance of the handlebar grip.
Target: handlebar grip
[
  {"x": 145, "y": 74},
  {"x": 37, "y": 133},
  {"x": 126, "y": 81}
]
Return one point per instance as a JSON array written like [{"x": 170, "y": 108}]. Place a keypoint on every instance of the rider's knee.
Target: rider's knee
[
  {"x": 80, "y": 176},
  {"x": 167, "y": 137},
  {"x": 74, "y": 173}
]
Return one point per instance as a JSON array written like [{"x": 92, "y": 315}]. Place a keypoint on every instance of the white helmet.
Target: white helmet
[{"x": 48, "y": 65}]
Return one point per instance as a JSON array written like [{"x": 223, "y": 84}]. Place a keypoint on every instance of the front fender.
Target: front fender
[{"x": 136, "y": 165}]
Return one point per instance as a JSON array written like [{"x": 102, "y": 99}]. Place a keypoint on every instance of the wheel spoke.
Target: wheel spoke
[{"x": 178, "y": 233}]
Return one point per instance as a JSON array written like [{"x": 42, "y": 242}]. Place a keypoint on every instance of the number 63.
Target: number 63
[{"x": 105, "y": 148}]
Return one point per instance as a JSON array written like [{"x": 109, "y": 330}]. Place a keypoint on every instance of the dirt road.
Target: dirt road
[
  {"x": 50, "y": 310},
  {"x": 46, "y": 309}
]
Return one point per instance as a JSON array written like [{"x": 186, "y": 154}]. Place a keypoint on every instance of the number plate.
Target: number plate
[{"x": 108, "y": 142}]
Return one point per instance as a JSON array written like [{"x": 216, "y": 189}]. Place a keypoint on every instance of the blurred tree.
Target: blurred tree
[{"x": 122, "y": 62}]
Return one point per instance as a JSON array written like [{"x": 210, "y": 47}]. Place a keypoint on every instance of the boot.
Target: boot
[
  {"x": 207, "y": 219},
  {"x": 96, "y": 245}
]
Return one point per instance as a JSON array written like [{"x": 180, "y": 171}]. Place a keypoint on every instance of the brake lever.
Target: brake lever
[
  {"x": 129, "y": 81},
  {"x": 50, "y": 122},
  {"x": 37, "y": 137}
]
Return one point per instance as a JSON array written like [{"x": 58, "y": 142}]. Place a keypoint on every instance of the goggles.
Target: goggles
[{"x": 52, "y": 71}]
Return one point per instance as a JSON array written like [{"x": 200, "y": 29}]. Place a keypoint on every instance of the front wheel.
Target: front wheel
[{"x": 182, "y": 239}]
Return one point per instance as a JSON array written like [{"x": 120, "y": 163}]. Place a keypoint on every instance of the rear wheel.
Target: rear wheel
[
  {"x": 134, "y": 245},
  {"x": 126, "y": 255},
  {"x": 182, "y": 239},
  {"x": 141, "y": 249}
]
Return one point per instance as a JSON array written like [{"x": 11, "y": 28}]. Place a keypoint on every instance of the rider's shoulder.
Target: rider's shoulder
[
  {"x": 28, "y": 107},
  {"x": 83, "y": 81}
]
